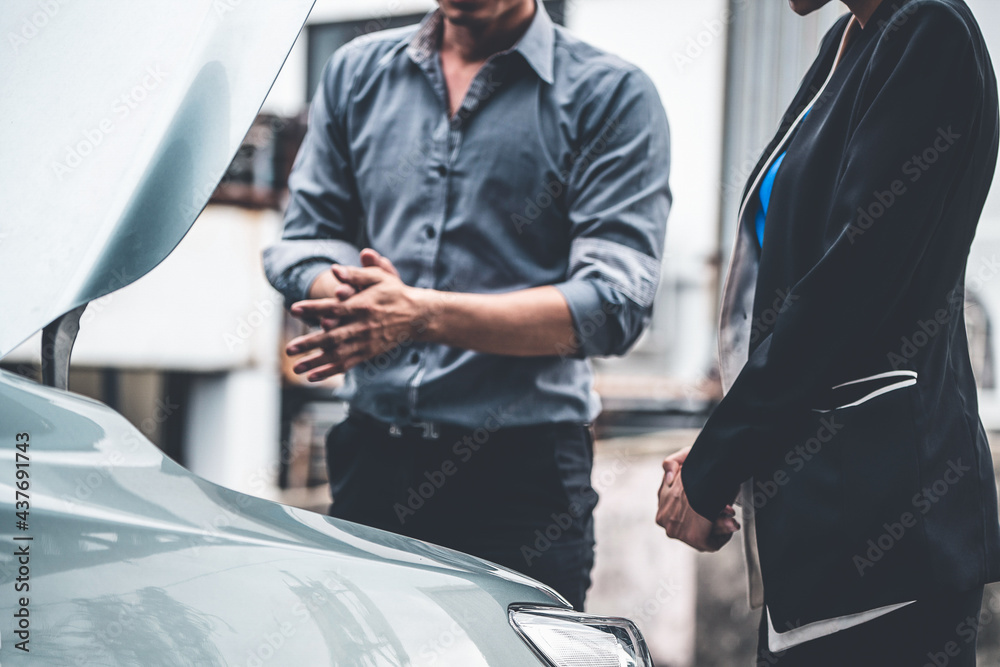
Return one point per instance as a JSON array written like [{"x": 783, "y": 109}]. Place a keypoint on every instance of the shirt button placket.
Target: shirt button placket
[{"x": 439, "y": 201}]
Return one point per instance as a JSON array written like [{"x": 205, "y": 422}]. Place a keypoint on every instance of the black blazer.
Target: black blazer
[{"x": 851, "y": 400}]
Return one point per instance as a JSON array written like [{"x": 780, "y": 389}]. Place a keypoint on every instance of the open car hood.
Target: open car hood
[
  {"x": 117, "y": 120},
  {"x": 133, "y": 560}
]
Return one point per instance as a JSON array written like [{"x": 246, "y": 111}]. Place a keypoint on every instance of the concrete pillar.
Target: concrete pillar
[{"x": 233, "y": 429}]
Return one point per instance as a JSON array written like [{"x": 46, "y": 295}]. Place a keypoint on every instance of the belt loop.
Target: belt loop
[{"x": 430, "y": 430}]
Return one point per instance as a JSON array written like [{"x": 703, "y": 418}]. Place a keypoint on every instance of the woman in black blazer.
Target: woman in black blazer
[{"x": 850, "y": 417}]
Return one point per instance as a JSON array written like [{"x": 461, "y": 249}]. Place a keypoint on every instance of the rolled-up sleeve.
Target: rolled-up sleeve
[
  {"x": 619, "y": 199},
  {"x": 323, "y": 218}
]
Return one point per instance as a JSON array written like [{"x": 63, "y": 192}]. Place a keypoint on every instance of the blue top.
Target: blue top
[
  {"x": 554, "y": 171},
  {"x": 766, "y": 188}
]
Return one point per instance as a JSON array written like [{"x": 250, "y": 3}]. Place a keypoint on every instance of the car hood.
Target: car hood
[
  {"x": 118, "y": 120},
  {"x": 133, "y": 559}
]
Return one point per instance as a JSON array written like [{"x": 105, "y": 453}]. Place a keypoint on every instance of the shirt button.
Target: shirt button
[
  {"x": 430, "y": 232},
  {"x": 441, "y": 170},
  {"x": 414, "y": 357}
]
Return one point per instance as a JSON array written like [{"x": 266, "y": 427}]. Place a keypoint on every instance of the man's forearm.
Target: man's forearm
[
  {"x": 526, "y": 323},
  {"x": 382, "y": 313}
]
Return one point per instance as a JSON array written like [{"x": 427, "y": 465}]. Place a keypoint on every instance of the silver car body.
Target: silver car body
[{"x": 135, "y": 561}]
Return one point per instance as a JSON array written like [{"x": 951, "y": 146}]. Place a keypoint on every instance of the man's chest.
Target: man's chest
[
  {"x": 458, "y": 77},
  {"x": 501, "y": 160},
  {"x": 481, "y": 195}
]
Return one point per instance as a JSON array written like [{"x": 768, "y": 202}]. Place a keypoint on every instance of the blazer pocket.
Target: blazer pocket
[{"x": 858, "y": 392}]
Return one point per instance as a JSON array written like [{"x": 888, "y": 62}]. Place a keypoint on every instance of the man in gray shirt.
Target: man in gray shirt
[{"x": 508, "y": 185}]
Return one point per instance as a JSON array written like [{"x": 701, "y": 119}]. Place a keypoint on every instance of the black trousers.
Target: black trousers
[
  {"x": 933, "y": 632},
  {"x": 519, "y": 496}
]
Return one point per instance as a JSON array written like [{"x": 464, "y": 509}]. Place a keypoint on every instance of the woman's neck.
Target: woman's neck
[{"x": 863, "y": 9}]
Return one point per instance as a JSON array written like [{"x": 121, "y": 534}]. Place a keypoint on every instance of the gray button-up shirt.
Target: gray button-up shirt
[{"x": 554, "y": 171}]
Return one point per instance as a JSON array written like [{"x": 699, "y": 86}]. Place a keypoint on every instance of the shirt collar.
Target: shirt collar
[
  {"x": 425, "y": 41},
  {"x": 537, "y": 45}
]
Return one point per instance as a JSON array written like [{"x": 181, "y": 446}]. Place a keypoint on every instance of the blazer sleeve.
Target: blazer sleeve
[{"x": 923, "y": 87}]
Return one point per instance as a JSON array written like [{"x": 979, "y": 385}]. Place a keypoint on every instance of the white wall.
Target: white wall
[{"x": 207, "y": 307}]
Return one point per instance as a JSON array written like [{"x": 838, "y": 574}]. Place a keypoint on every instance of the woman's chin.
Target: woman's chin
[{"x": 803, "y": 7}]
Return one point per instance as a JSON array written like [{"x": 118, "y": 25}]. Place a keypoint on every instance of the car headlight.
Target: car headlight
[{"x": 566, "y": 638}]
